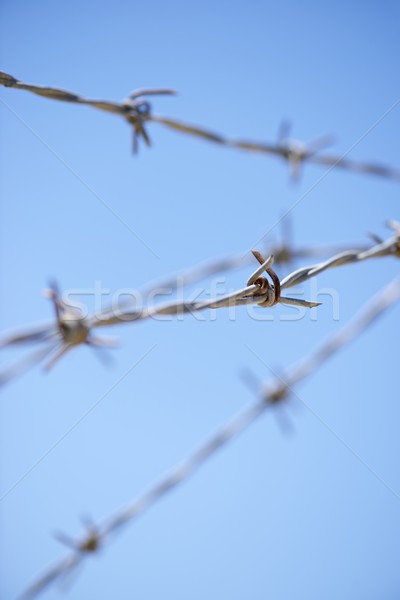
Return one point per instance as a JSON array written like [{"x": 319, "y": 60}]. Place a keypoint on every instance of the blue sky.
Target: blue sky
[{"x": 271, "y": 515}]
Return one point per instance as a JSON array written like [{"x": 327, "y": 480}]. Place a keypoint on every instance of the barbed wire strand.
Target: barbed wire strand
[
  {"x": 283, "y": 254},
  {"x": 71, "y": 329},
  {"x": 269, "y": 393},
  {"x": 391, "y": 246},
  {"x": 136, "y": 109}
]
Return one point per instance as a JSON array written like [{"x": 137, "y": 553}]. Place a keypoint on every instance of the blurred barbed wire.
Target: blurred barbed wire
[
  {"x": 137, "y": 110},
  {"x": 269, "y": 394},
  {"x": 71, "y": 328}
]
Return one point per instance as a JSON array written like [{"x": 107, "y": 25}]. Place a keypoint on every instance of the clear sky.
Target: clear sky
[{"x": 309, "y": 515}]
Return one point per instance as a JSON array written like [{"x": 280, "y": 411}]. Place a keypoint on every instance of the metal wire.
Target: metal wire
[
  {"x": 71, "y": 329},
  {"x": 391, "y": 246},
  {"x": 269, "y": 394},
  {"x": 137, "y": 111}
]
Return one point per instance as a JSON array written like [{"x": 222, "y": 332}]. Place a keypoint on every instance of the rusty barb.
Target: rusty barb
[
  {"x": 271, "y": 293},
  {"x": 262, "y": 282}
]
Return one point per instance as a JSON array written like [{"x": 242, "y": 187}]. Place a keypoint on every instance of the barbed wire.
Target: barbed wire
[
  {"x": 72, "y": 329},
  {"x": 269, "y": 394},
  {"x": 136, "y": 109},
  {"x": 284, "y": 252}
]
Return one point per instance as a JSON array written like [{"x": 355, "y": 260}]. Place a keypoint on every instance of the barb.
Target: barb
[
  {"x": 137, "y": 111},
  {"x": 296, "y": 153},
  {"x": 71, "y": 329},
  {"x": 293, "y": 151},
  {"x": 135, "y": 108},
  {"x": 269, "y": 394}
]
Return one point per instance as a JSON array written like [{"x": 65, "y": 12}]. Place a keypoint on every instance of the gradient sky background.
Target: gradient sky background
[{"x": 271, "y": 516}]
